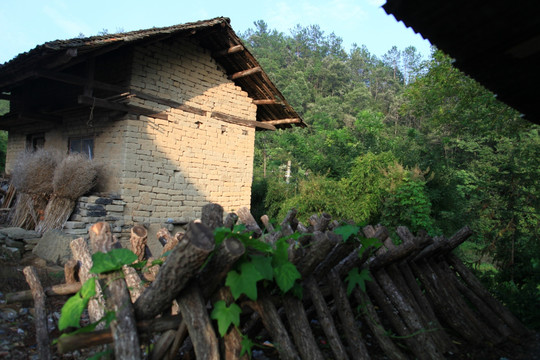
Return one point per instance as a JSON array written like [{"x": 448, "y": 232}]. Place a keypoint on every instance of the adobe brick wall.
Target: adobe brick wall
[
  {"x": 175, "y": 167},
  {"x": 108, "y": 143}
]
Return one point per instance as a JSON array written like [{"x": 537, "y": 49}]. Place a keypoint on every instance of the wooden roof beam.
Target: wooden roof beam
[
  {"x": 239, "y": 121},
  {"x": 284, "y": 121},
  {"x": 14, "y": 118},
  {"x": 244, "y": 73},
  {"x": 225, "y": 52},
  {"x": 80, "y": 81},
  {"x": 267, "y": 102},
  {"x": 105, "y": 104}
]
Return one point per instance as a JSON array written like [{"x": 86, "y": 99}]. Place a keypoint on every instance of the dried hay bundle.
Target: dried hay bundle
[
  {"x": 22, "y": 214},
  {"x": 32, "y": 176},
  {"x": 75, "y": 176}
]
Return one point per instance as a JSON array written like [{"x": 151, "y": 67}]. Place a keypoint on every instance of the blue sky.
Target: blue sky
[{"x": 27, "y": 23}]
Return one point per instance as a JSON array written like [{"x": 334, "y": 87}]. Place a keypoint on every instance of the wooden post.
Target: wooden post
[
  {"x": 212, "y": 216},
  {"x": 245, "y": 217},
  {"x": 481, "y": 291},
  {"x": 71, "y": 270},
  {"x": 301, "y": 332},
  {"x": 275, "y": 327},
  {"x": 145, "y": 328},
  {"x": 232, "y": 341},
  {"x": 123, "y": 327},
  {"x": 195, "y": 315},
  {"x": 81, "y": 252},
  {"x": 371, "y": 317},
  {"x": 325, "y": 318},
  {"x": 139, "y": 236},
  {"x": 357, "y": 347},
  {"x": 180, "y": 266},
  {"x": 410, "y": 318},
  {"x": 42, "y": 333},
  {"x": 55, "y": 290}
]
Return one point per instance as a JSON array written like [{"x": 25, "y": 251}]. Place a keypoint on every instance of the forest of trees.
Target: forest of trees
[{"x": 402, "y": 140}]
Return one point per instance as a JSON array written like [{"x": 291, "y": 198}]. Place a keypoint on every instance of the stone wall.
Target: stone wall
[{"x": 95, "y": 208}]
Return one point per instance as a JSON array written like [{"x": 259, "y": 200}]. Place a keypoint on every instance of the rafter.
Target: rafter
[
  {"x": 240, "y": 121},
  {"x": 244, "y": 73},
  {"x": 267, "y": 102},
  {"x": 284, "y": 121},
  {"x": 232, "y": 50}
]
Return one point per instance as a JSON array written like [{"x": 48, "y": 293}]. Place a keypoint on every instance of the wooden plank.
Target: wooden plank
[
  {"x": 238, "y": 121},
  {"x": 232, "y": 50},
  {"x": 192, "y": 110},
  {"x": 101, "y": 103},
  {"x": 244, "y": 73},
  {"x": 284, "y": 121}
]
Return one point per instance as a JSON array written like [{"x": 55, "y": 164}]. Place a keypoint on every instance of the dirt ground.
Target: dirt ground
[{"x": 17, "y": 329}]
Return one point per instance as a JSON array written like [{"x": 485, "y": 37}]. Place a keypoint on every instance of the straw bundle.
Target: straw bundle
[
  {"x": 32, "y": 176},
  {"x": 75, "y": 176}
]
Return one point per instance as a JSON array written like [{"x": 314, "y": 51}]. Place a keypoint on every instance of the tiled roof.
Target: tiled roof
[{"x": 214, "y": 34}]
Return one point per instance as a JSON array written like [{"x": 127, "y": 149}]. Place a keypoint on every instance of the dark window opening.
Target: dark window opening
[
  {"x": 82, "y": 145},
  {"x": 35, "y": 141}
]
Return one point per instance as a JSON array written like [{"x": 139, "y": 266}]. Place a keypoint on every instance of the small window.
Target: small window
[
  {"x": 82, "y": 145},
  {"x": 35, "y": 141}
]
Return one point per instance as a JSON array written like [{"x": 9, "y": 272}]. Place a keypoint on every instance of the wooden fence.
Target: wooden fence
[{"x": 422, "y": 301}]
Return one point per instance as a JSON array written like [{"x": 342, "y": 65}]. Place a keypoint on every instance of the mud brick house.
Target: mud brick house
[{"x": 171, "y": 113}]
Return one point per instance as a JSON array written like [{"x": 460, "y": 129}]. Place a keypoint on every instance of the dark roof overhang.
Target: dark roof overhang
[{"x": 495, "y": 42}]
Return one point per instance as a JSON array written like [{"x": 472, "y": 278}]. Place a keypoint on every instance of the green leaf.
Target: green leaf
[
  {"x": 368, "y": 243},
  {"x": 354, "y": 279},
  {"x": 295, "y": 236},
  {"x": 281, "y": 254},
  {"x": 263, "y": 264},
  {"x": 220, "y": 234},
  {"x": 73, "y": 308},
  {"x": 286, "y": 274},
  {"x": 256, "y": 244},
  {"x": 139, "y": 265},
  {"x": 71, "y": 312},
  {"x": 111, "y": 261},
  {"x": 346, "y": 231},
  {"x": 298, "y": 291},
  {"x": 225, "y": 316},
  {"x": 156, "y": 262},
  {"x": 247, "y": 345},
  {"x": 244, "y": 282},
  {"x": 88, "y": 289}
]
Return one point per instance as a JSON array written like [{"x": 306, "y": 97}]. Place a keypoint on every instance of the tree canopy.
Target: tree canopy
[{"x": 402, "y": 140}]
